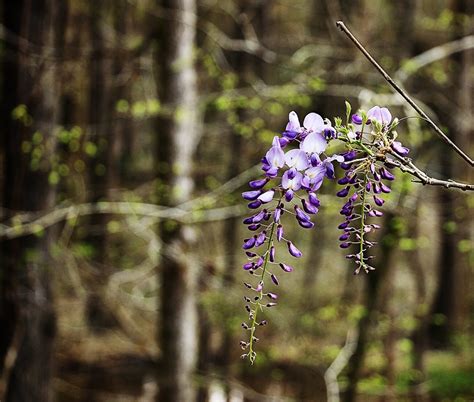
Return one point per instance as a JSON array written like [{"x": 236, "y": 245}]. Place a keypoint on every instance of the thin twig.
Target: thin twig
[
  {"x": 397, "y": 88},
  {"x": 406, "y": 165},
  {"x": 330, "y": 376}
]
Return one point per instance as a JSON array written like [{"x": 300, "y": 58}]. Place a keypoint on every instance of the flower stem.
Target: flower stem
[{"x": 252, "y": 353}]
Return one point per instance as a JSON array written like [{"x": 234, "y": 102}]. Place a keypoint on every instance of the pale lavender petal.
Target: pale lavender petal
[
  {"x": 385, "y": 115},
  {"x": 297, "y": 158},
  {"x": 313, "y": 122},
  {"x": 267, "y": 196},
  {"x": 314, "y": 143}
]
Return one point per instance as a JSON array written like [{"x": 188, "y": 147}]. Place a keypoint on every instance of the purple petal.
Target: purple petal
[
  {"x": 272, "y": 254},
  {"x": 378, "y": 201},
  {"x": 305, "y": 224},
  {"x": 279, "y": 232},
  {"x": 254, "y": 204},
  {"x": 274, "y": 279},
  {"x": 251, "y": 195},
  {"x": 286, "y": 267},
  {"x": 257, "y": 184},
  {"x": 386, "y": 174},
  {"x": 400, "y": 149},
  {"x": 293, "y": 250},
  {"x": 309, "y": 208},
  {"x": 313, "y": 199},
  {"x": 343, "y": 193},
  {"x": 356, "y": 119},
  {"x": 249, "y": 243}
]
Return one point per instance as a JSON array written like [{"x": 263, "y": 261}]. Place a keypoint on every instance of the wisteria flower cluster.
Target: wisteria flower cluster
[{"x": 294, "y": 169}]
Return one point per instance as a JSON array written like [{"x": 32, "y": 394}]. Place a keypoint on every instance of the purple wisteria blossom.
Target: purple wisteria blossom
[
  {"x": 291, "y": 179},
  {"x": 294, "y": 169}
]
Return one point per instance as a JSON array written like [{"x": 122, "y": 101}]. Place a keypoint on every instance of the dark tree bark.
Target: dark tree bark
[
  {"x": 27, "y": 316},
  {"x": 453, "y": 270},
  {"x": 178, "y": 137},
  {"x": 374, "y": 282}
]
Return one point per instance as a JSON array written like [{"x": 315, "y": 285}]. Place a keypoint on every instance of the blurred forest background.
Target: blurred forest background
[{"x": 129, "y": 130}]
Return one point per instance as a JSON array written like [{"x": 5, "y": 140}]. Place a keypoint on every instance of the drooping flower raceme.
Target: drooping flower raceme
[{"x": 294, "y": 169}]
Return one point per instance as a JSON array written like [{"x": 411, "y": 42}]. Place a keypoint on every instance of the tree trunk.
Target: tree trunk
[
  {"x": 178, "y": 137},
  {"x": 27, "y": 316},
  {"x": 450, "y": 303}
]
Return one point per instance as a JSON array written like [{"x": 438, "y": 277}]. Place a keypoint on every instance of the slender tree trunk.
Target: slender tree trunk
[
  {"x": 178, "y": 137},
  {"x": 27, "y": 316}
]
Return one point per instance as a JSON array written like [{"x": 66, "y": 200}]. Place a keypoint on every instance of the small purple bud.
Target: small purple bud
[
  {"x": 400, "y": 149},
  {"x": 344, "y": 237},
  {"x": 260, "y": 239},
  {"x": 249, "y": 243},
  {"x": 248, "y": 221},
  {"x": 367, "y": 186},
  {"x": 286, "y": 267},
  {"x": 313, "y": 199},
  {"x": 279, "y": 232},
  {"x": 343, "y": 225},
  {"x": 259, "y": 263},
  {"x": 272, "y": 254},
  {"x": 267, "y": 196},
  {"x": 258, "y": 184},
  {"x": 315, "y": 160},
  {"x": 378, "y": 201},
  {"x": 257, "y": 218},
  {"x": 356, "y": 119},
  {"x": 254, "y": 204},
  {"x": 284, "y": 141},
  {"x": 254, "y": 227},
  {"x": 250, "y": 254},
  {"x": 290, "y": 134},
  {"x": 386, "y": 189},
  {"x": 248, "y": 285},
  {"x": 271, "y": 172},
  {"x": 309, "y": 208},
  {"x": 305, "y": 224},
  {"x": 345, "y": 165},
  {"x": 274, "y": 279},
  {"x": 272, "y": 296},
  {"x": 251, "y": 195},
  {"x": 343, "y": 193},
  {"x": 259, "y": 287},
  {"x": 353, "y": 197},
  {"x": 386, "y": 174},
  {"x": 277, "y": 215},
  {"x": 349, "y": 156},
  {"x": 289, "y": 195},
  {"x": 343, "y": 180},
  {"x": 372, "y": 168},
  {"x": 377, "y": 189},
  {"x": 291, "y": 173},
  {"x": 374, "y": 212},
  {"x": 293, "y": 250},
  {"x": 300, "y": 215},
  {"x": 344, "y": 245},
  {"x": 248, "y": 265}
]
